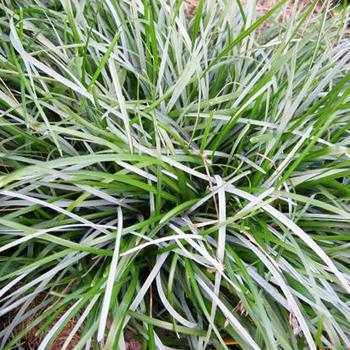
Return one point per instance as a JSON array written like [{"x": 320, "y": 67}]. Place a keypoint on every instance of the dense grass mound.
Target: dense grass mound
[{"x": 185, "y": 179}]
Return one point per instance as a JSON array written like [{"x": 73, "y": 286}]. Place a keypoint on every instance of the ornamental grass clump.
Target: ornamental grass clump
[{"x": 170, "y": 181}]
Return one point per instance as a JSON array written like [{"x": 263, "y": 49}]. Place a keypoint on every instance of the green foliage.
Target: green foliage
[{"x": 186, "y": 178}]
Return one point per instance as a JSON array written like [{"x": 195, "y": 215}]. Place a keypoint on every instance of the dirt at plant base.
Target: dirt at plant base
[
  {"x": 131, "y": 342},
  {"x": 32, "y": 340},
  {"x": 191, "y": 6},
  {"x": 262, "y": 6}
]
